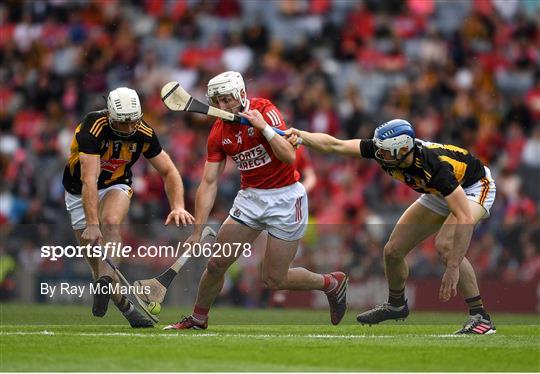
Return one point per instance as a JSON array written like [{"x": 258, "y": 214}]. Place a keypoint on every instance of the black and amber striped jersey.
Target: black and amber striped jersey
[
  {"x": 117, "y": 155},
  {"x": 436, "y": 169}
]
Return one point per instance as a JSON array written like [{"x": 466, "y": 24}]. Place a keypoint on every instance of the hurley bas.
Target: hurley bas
[{"x": 65, "y": 288}]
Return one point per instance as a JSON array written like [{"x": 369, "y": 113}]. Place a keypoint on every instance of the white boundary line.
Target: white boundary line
[{"x": 228, "y": 335}]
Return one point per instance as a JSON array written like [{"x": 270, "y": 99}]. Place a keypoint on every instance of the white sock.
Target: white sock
[{"x": 198, "y": 318}]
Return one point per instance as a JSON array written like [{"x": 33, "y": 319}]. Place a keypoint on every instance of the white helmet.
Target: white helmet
[
  {"x": 124, "y": 106},
  {"x": 230, "y": 82}
]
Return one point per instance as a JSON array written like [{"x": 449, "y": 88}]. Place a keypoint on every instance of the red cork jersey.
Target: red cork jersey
[{"x": 259, "y": 167}]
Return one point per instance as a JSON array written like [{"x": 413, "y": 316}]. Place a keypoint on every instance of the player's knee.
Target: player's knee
[
  {"x": 111, "y": 220},
  {"x": 110, "y": 225},
  {"x": 272, "y": 282},
  {"x": 392, "y": 252},
  {"x": 215, "y": 268}
]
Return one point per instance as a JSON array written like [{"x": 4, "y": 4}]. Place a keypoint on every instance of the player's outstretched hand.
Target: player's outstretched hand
[
  {"x": 449, "y": 283},
  {"x": 178, "y": 216},
  {"x": 92, "y": 233},
  {"x": 292, "y": 135},
  {"x": 255, "y": 118}
]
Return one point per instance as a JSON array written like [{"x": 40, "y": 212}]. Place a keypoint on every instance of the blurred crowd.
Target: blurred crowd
[{"x": 465, "y": 72}]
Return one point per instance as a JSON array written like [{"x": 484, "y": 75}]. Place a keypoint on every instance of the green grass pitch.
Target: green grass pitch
[{"x": 68, "y": 338}]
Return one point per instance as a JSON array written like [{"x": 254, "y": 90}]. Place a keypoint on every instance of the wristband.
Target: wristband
[{"x": 268, "y": 132}]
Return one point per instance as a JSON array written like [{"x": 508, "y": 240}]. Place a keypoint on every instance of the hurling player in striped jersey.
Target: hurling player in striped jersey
[
  {"x": 97, "y": 180},
  {"x": 457, "y": 192}
]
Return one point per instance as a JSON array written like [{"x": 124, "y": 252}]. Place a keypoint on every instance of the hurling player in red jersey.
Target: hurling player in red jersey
[{"x": 271, "y": 199}]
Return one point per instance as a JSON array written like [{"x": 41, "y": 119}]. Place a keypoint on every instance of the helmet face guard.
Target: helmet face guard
[
  {"x": 124, "y": 107},
  {"x": 124, "y": 134},
  {"x": 227, "y": 83},
  {"x": 390, "y": 138},
  {"x": 393, "y": 162}
]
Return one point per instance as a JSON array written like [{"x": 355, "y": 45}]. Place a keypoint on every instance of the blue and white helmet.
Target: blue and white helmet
[{"x": 392, "y": 136}]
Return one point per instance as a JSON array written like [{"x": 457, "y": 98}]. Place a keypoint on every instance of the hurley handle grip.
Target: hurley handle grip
[{"x": 244, "y": 121}]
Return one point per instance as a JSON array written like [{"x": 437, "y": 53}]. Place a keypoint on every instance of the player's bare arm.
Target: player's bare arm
[
  {"x": 454, "y": 253},
  {"x": 283, "y": 150},
  {"x": 90, "y": 169},
  {"x": 324, "y": 143},
  {"x": 205, "y": 197},
  {"x": 174, "y": 188}
]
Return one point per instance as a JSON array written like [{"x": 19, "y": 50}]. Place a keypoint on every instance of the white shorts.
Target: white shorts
[
  {"x": 283, "y": 212},
  {"x": 75, "y": 209},
  {"x": 482, "y": 192}
]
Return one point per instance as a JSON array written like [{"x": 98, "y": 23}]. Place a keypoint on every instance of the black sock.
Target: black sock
[
  {"x": 124, "y": 305},
  {"x": 396, "y": 297},
  {"x": 476, "y": 307}
]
